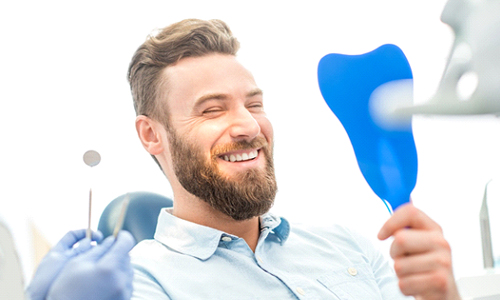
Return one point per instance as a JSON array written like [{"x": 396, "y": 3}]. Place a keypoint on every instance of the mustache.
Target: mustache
[{"x": 258, "y": 142}]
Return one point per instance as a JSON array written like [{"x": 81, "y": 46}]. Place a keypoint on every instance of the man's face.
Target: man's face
[{"x": 220, "y": 138}]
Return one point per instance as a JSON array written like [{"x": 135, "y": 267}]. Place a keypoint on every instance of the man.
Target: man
[{"x": 201, "y": 116}]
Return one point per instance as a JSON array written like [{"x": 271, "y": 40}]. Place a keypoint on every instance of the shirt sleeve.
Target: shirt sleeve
[{"x": 146, "y": 287}]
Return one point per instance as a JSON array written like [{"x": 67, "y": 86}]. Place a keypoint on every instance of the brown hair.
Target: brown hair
[{"x": 187, "y": 38}]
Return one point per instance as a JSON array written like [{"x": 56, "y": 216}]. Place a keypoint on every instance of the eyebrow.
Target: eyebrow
[
  {"x": 255, "y": 92},
  {"x": 215, "y": 96}
]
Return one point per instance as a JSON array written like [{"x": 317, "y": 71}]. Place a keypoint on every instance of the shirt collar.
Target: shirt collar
[
  {"x": 275, "y": 225},
  {"x": 202, "y": 241}
]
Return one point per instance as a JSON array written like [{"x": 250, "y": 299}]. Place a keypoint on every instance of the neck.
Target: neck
[{"x": 198, "y": 211}]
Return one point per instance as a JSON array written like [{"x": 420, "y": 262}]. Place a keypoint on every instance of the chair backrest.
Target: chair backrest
[
  {"x": 141, "y": 217},
  {"x": 11, "y": 273}
]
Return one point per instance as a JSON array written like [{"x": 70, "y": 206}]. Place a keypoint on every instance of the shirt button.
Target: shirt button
[
  {"x": 226, "y": 239},
  {"x": 300, "y": 291},
  {"x": 259, "y": 259},
  {"x": 352, "y": 271}
]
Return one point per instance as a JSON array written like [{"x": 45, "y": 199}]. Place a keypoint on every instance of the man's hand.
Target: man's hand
[{"x": 422, "y": 257}]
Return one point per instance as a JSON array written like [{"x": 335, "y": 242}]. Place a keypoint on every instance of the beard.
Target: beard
[{"x": 242, "y": 196}]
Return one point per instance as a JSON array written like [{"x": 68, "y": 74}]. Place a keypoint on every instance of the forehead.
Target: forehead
[{"x": 193, "y": 78}]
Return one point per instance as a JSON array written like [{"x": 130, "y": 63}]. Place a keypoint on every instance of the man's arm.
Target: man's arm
[
  {"x": 146, "y": 268},
  {"x": 146, "y": 287},
  {"x": 422, "y": 256}
]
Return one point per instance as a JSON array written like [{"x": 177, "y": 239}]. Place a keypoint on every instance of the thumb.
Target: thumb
[{"x": 123, "y": 244}]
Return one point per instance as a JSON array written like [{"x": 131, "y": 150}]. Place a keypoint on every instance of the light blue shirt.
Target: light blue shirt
[{"x": 189, "y": 261}]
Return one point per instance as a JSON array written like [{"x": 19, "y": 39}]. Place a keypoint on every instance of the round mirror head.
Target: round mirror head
[{"x": 92, "y": 158}]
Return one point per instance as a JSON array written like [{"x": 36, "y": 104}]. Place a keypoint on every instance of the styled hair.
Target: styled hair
[{"x": 187, "y": 38}]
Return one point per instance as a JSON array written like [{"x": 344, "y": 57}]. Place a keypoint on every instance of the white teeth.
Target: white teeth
[{"x": 242, "y": 157}]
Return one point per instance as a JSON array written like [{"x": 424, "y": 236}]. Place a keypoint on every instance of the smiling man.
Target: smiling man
[
  {"x": 225, "y": 149},
  {"x": 201, "y": 116}
]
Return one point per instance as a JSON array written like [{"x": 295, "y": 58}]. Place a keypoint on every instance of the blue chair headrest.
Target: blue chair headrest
[{"x": 141, "y": 217}]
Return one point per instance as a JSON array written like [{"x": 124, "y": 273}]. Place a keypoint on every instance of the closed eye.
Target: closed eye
[
  {"x": 213, "y": 111},
  {"x": 255, "y": 107}
]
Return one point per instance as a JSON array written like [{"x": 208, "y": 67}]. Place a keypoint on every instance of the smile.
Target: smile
[{"x": 242, "y": 156}]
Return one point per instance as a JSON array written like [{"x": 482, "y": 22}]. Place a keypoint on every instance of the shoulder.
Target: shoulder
[
  {"x": 147, "y": 252},
  {"x": 146, "y": 246},
  {"x": 144, "y": 259},
  {"x": 332, "y": 232},
  {"x": 341, "y": 237}
]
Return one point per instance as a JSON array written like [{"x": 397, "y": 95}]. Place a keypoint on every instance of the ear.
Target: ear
[{"x": 151, "y": 134}]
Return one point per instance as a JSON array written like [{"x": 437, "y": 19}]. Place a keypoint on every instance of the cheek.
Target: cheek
[
  {"x": 206, "y": 136},
  {"x": 266, "y": 128}
]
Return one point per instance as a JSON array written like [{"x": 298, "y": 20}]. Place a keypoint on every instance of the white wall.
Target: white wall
[{"x": 64, "y": 91}]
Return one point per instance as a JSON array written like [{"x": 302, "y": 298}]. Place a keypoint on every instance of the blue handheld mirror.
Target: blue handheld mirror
[{"x": 351, "y": 85}]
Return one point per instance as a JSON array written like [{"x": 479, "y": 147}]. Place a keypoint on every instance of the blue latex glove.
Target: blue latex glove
[
  {"x": 101, "y": 273},
  {"x": 55, "y": 260}
]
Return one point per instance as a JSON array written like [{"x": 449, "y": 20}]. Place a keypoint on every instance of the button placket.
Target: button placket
[{"x": 259, "y": 259}]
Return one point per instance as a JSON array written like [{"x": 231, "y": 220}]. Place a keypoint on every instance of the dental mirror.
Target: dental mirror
[{"x": 91, "y": 158}]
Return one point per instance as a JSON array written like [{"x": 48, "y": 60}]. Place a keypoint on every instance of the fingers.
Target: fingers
[
  {"x": 72, "y": 237},
  {"x": 97, "y": 236},
  {"x": 111, "y": 248},
  {"x": 433, "y": 285},
  {"x": 407, "y": 216},
  {"x": 123, "y": 244},
  {"x": 69, "y": 239},
  {"x": 98, "y": 251},
  {"x": 408, "y": 242},
  {"x": 67, "y": 244},
  {"x": 422, "y": 256},
  {"x": 117, "y": 258},
  {"x": 424, "y": 263}
]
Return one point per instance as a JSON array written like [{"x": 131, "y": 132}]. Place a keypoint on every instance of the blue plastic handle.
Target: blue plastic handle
[{"x": 386, "y": 158}]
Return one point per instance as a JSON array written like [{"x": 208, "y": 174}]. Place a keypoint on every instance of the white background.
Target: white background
[{"x": 64, "y": 91}]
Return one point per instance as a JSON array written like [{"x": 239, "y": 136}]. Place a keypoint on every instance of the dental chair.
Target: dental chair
[{"x": 140, "y": 218}]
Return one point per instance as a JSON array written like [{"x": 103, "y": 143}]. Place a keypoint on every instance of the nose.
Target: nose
[{"x": 244, "y": 126}]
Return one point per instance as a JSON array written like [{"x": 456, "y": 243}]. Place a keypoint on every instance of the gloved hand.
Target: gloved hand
[
  {"x": 56, "y": 259},
  {"x": 101, "y": 273}
]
